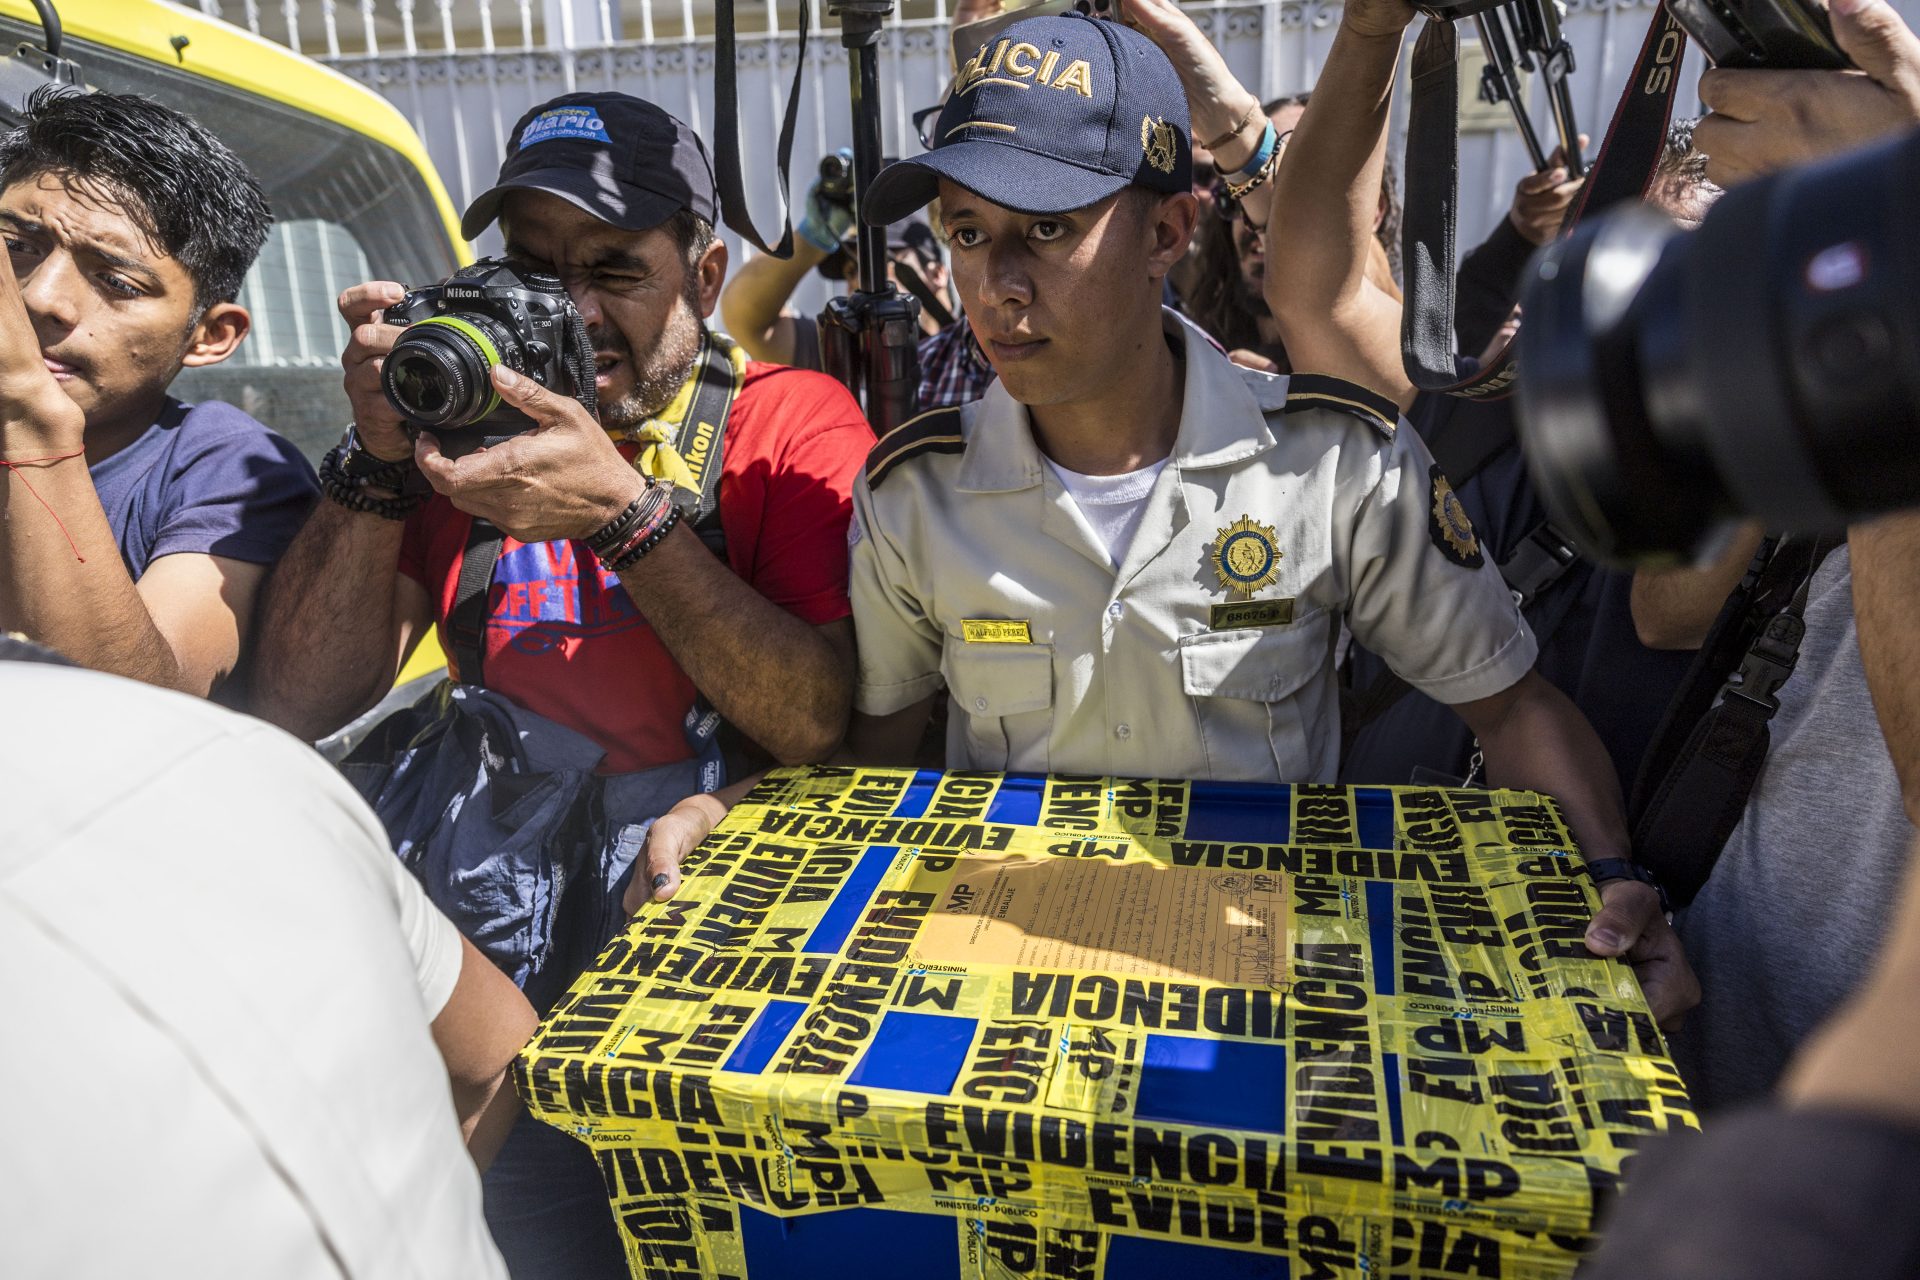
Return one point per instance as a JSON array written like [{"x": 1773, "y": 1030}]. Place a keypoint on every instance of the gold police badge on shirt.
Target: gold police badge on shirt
[
  {"x": 1158, "y": 141},
  {"x": 1451, "y": 529},
  {"x": 1245, "y": 556}
]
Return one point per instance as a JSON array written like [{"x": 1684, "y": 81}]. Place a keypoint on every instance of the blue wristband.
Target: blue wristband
[{"x": 1262, "y": 153}]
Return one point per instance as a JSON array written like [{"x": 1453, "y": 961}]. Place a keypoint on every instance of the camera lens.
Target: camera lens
[
  {"x": 438, "y": 372},
  {"x": 1766, "y": 366}
]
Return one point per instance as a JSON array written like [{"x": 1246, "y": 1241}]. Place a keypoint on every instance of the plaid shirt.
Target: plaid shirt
[{"x": 952, "y": 369}]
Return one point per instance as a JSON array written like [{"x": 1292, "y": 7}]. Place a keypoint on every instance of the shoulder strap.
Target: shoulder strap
[
  {"x": 935, "y": 431},
  {"x": 702, "y": 443},
  {"x": 1693, "y": 808},
  {"x": 1323, "y": 391},
  {"x": 472, "y": 601},
  {"x": 1428, "y": 250}
]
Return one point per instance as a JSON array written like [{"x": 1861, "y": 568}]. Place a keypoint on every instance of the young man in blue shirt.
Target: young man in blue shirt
[{"x": 135, "y": 530}]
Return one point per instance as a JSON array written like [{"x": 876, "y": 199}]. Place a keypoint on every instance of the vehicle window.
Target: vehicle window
[{"x": 346, "y": 209}]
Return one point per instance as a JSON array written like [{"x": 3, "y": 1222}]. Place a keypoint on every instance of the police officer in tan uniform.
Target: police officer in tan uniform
[{"x": 1133, "y": 557}]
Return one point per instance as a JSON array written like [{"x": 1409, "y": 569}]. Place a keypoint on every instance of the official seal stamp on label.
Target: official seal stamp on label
[{"x": 1246, "y": 556}]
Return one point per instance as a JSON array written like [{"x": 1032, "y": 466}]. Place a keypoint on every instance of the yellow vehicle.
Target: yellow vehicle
[{"x": 354, "y": 195}]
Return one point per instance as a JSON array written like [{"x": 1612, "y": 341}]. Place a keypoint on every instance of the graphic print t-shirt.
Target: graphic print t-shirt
[{"x": 564, "y": 638}]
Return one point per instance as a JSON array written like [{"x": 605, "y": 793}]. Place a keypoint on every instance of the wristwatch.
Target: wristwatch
[
  {"x": 1607, "y": 870},
  {"x": 364, "y": 467}
]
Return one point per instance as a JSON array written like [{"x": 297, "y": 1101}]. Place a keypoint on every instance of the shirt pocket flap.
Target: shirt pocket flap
[
  {"x": 999, "y": 679},
  {"x": 1261, "y": 664}
]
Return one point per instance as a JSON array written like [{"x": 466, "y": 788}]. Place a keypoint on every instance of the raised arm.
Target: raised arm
[
  {"x": 753, "y": 305},
  {"x": 1326, "y": 197}
]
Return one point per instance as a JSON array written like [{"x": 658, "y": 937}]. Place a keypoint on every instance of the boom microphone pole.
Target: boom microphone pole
[{"x": 870, "y": 339}]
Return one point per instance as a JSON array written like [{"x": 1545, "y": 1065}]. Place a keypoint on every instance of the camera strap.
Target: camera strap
[
  {"x": 690, "y": 460},
  {"x": 726, "y": 134},
  {"x": 1689, "y": 799},
  {"x": 1621, "y": 171}
]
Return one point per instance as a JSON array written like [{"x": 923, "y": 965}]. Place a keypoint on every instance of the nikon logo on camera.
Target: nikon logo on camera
[{"x": 1017, "y": 62}]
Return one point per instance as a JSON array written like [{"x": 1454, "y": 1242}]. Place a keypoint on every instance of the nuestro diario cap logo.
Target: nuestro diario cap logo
[
  {"x": 552, "y": 125},
  {"x": 1016, "y": 62}
]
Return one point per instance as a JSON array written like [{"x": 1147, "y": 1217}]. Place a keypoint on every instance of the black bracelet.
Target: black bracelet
[
  {"x": 355, "y": 494},
  {"x": 639, "y": 552},
  {"x": 611, "y": 536}
]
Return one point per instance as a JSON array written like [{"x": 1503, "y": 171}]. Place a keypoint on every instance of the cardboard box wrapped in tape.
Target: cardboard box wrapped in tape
[{"x": 925, "y": 1025}]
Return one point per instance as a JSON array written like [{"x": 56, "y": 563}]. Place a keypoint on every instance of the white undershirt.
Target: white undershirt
[{"x": 1113, "y": 505}]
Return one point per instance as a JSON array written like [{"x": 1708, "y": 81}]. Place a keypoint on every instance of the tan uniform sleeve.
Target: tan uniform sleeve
[
  {"x": 899, "y": 645},
  {"x": 1423, "y": 593}
]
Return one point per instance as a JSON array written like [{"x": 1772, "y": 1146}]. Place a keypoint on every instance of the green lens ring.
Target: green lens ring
[{"x": 479, "y": 338}]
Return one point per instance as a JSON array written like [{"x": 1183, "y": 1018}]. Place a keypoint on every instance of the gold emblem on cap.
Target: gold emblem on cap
[
  {"x": 1246, "y": 556},
  {"x": 1450, "y": 522},
  {"x": 1158, "y": 141}
]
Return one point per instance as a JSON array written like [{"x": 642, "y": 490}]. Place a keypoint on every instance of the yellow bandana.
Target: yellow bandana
[{"x": 671, "y": 448}]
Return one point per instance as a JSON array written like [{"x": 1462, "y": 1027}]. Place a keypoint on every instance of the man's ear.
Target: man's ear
[
  {"x": 712, "y": 270},
  {"x": 218, "y": 335},
  {"x": 1171, "y": 220}
]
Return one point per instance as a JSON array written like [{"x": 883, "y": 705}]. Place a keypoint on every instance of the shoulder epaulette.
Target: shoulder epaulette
[
  {"x": 935, "y": 431},
  {"x": 1320, "y": 391}
]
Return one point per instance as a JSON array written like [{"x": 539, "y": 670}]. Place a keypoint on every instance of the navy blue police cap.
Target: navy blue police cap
[
  {"x": 1057, "y": 113},
  {"x": 622, "y": 159}
]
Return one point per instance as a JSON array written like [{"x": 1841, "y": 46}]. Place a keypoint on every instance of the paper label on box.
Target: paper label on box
[{"x": 1131, "y": 918}]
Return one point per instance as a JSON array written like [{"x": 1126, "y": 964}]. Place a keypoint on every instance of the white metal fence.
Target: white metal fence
[{"x": 464, "y": 70}]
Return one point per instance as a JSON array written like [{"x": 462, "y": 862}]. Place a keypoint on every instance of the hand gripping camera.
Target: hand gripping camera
[{"x": 439, "y": 373}]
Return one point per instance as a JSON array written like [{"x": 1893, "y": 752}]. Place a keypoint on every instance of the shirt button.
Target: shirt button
[
  {"x": 1115, "y": 609},
  {"x": 1123, "y": 732},
  {"x": 980, "y": 705}
]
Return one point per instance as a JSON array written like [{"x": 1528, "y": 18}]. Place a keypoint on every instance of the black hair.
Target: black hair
[
  {"x": 692, "y": 233},
  {"x": 188, "y": 193},
  {"x": 1681, "y": 163}
]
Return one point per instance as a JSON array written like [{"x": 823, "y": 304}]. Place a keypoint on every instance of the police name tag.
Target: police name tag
[
  {"x": 996, "y": 631},
  {"x": 1251, "y": 613}
]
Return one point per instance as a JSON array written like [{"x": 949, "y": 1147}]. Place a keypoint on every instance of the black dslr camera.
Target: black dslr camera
[
  {"x": 1766, "y": 365},
  {"x": 439, "y": 373}
]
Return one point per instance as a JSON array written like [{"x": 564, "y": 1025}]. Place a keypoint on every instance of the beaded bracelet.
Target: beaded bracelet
[
  {"x": 355, "y": 494},
  {"x": 618, "y": 532},
  {"x": 654, "y": 534}
]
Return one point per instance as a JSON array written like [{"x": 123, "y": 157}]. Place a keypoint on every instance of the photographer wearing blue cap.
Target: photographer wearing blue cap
[
  {"x": 1132, "y": 557},
  {"x": 611, "y": 587}
]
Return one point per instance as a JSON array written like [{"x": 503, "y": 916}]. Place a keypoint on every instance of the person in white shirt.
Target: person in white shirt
[{"x": 240, "y": 1041}]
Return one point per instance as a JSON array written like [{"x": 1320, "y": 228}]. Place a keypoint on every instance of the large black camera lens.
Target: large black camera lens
[
  {"x": 1764, "y": 366},
  {"x": 438, "y": 373}
]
